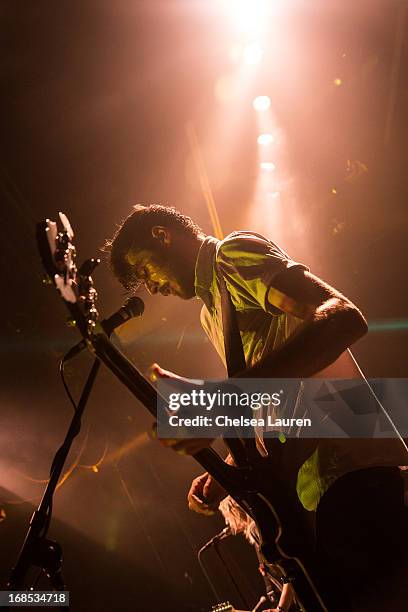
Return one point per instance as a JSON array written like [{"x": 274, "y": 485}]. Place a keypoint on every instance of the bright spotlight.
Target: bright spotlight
[
  {"x": 265, "y": 139},
  {"x": 248, "y": 15},
  {"x": 261, "y": 103},
  {"x": 267, "y": 166},
  {"x": 253, "y": 53}
]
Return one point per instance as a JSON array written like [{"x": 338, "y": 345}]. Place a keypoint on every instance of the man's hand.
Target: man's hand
[
  {"x": 205, "y": 495},
  {"x": 185, "y": 384},
  {"x": 182, "y": 446}
]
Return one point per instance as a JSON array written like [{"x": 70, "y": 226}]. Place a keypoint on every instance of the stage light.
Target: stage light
[
  {"x": 265, "y": 139},
  {"x": 267, "y": 166},
  {"x": 247, "y": 15},
  {"x": 253, "y": 53},
  {"x": 261, "y": 103}
]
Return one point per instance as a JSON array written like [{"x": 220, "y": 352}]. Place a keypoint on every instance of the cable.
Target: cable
[
  {"x": 206, "y": 574},
  {"x": 61, "y": 371},
  {"x": 384, "y": 410}
]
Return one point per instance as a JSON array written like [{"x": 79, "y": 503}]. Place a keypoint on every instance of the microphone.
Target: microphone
[
  {"x": 225, "y": 533},
  {"x": 133, "y": 307}
]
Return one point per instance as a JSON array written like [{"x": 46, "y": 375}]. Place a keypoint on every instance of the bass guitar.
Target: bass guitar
[{"x": 264, "y": 489}]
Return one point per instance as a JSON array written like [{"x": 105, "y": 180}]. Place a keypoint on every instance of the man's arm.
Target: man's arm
[{"x": 332, "y": 323}]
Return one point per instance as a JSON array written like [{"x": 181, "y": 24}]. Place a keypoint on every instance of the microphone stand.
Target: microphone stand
[
  {"x": 214, "y": 542},
  {"x": 37, "y": 550},
  {"x": 219, "y": 536}
]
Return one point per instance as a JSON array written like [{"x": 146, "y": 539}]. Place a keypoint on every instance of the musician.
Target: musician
[{"x": 292, "y": 325}]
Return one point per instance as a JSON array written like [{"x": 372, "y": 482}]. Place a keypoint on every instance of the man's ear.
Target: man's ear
[{"x": 162, "y": 234}]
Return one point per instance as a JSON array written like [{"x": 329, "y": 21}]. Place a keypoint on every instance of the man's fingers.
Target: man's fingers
[
  {"x": 196, "y": 487},
  {"x": 196, "y": 499},
  {"x": 207, "y": 487},
  {"x": 198, "y": 502},
  {"x": 159, "y": 372},
  {"x": 197, "y": 505},
  {"x": 198, "y": 483},
  {"x": 155, "y": 372}
]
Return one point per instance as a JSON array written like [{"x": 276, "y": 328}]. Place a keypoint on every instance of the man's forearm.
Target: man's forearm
[{"x": 317, "y": 344}]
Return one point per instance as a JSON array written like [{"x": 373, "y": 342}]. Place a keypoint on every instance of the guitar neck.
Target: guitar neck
[{"x": 137, "y": 384}]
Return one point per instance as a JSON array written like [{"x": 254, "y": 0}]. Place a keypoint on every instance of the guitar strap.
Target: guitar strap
[
  {"x": 289, "y": 453},
  {"x": 241, "y": 450},
  {"x": 234, "y": 351}
]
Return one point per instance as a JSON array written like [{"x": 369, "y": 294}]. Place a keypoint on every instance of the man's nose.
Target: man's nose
[{"x": 152, "y": 287}]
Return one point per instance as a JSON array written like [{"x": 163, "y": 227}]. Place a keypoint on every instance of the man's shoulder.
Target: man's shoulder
[
  {"x": 243, "y": 236},
  {"x": 246, "y": 244}
]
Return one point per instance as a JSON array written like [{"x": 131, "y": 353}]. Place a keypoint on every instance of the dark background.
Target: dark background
[{"x": 94, "y": 103}]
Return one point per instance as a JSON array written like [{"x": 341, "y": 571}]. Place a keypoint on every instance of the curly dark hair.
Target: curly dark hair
[{"x": 135, "y": 231}]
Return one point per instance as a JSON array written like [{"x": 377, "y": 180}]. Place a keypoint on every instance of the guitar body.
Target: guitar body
[
  {"x": 264, "y": 487},
  {"x": 266, "y": 490}
]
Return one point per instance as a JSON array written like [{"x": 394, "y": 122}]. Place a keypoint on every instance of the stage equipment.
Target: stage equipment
[{"x": 37, "y": 550}]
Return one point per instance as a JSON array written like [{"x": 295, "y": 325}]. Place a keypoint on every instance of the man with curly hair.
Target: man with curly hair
[{"x": 291, "y": 324}]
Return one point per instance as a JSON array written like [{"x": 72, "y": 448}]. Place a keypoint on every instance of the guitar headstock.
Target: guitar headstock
[{"x": 58, "y": 254}]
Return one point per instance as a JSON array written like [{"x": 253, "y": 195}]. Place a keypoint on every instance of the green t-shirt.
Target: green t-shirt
[{"x": 250, "y": 263}]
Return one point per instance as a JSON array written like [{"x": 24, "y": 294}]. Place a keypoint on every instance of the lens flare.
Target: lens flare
[
  {"x": 265, "y": 140},
  {"x": 261, "y": 103},
  {"x": 267, "y": 166}
]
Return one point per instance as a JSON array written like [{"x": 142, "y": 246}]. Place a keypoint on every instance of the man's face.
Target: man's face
[{"x": 162, "y": 270}]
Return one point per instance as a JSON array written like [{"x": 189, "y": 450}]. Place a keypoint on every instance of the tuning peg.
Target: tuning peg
[{"x": 88, "y": 266}]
